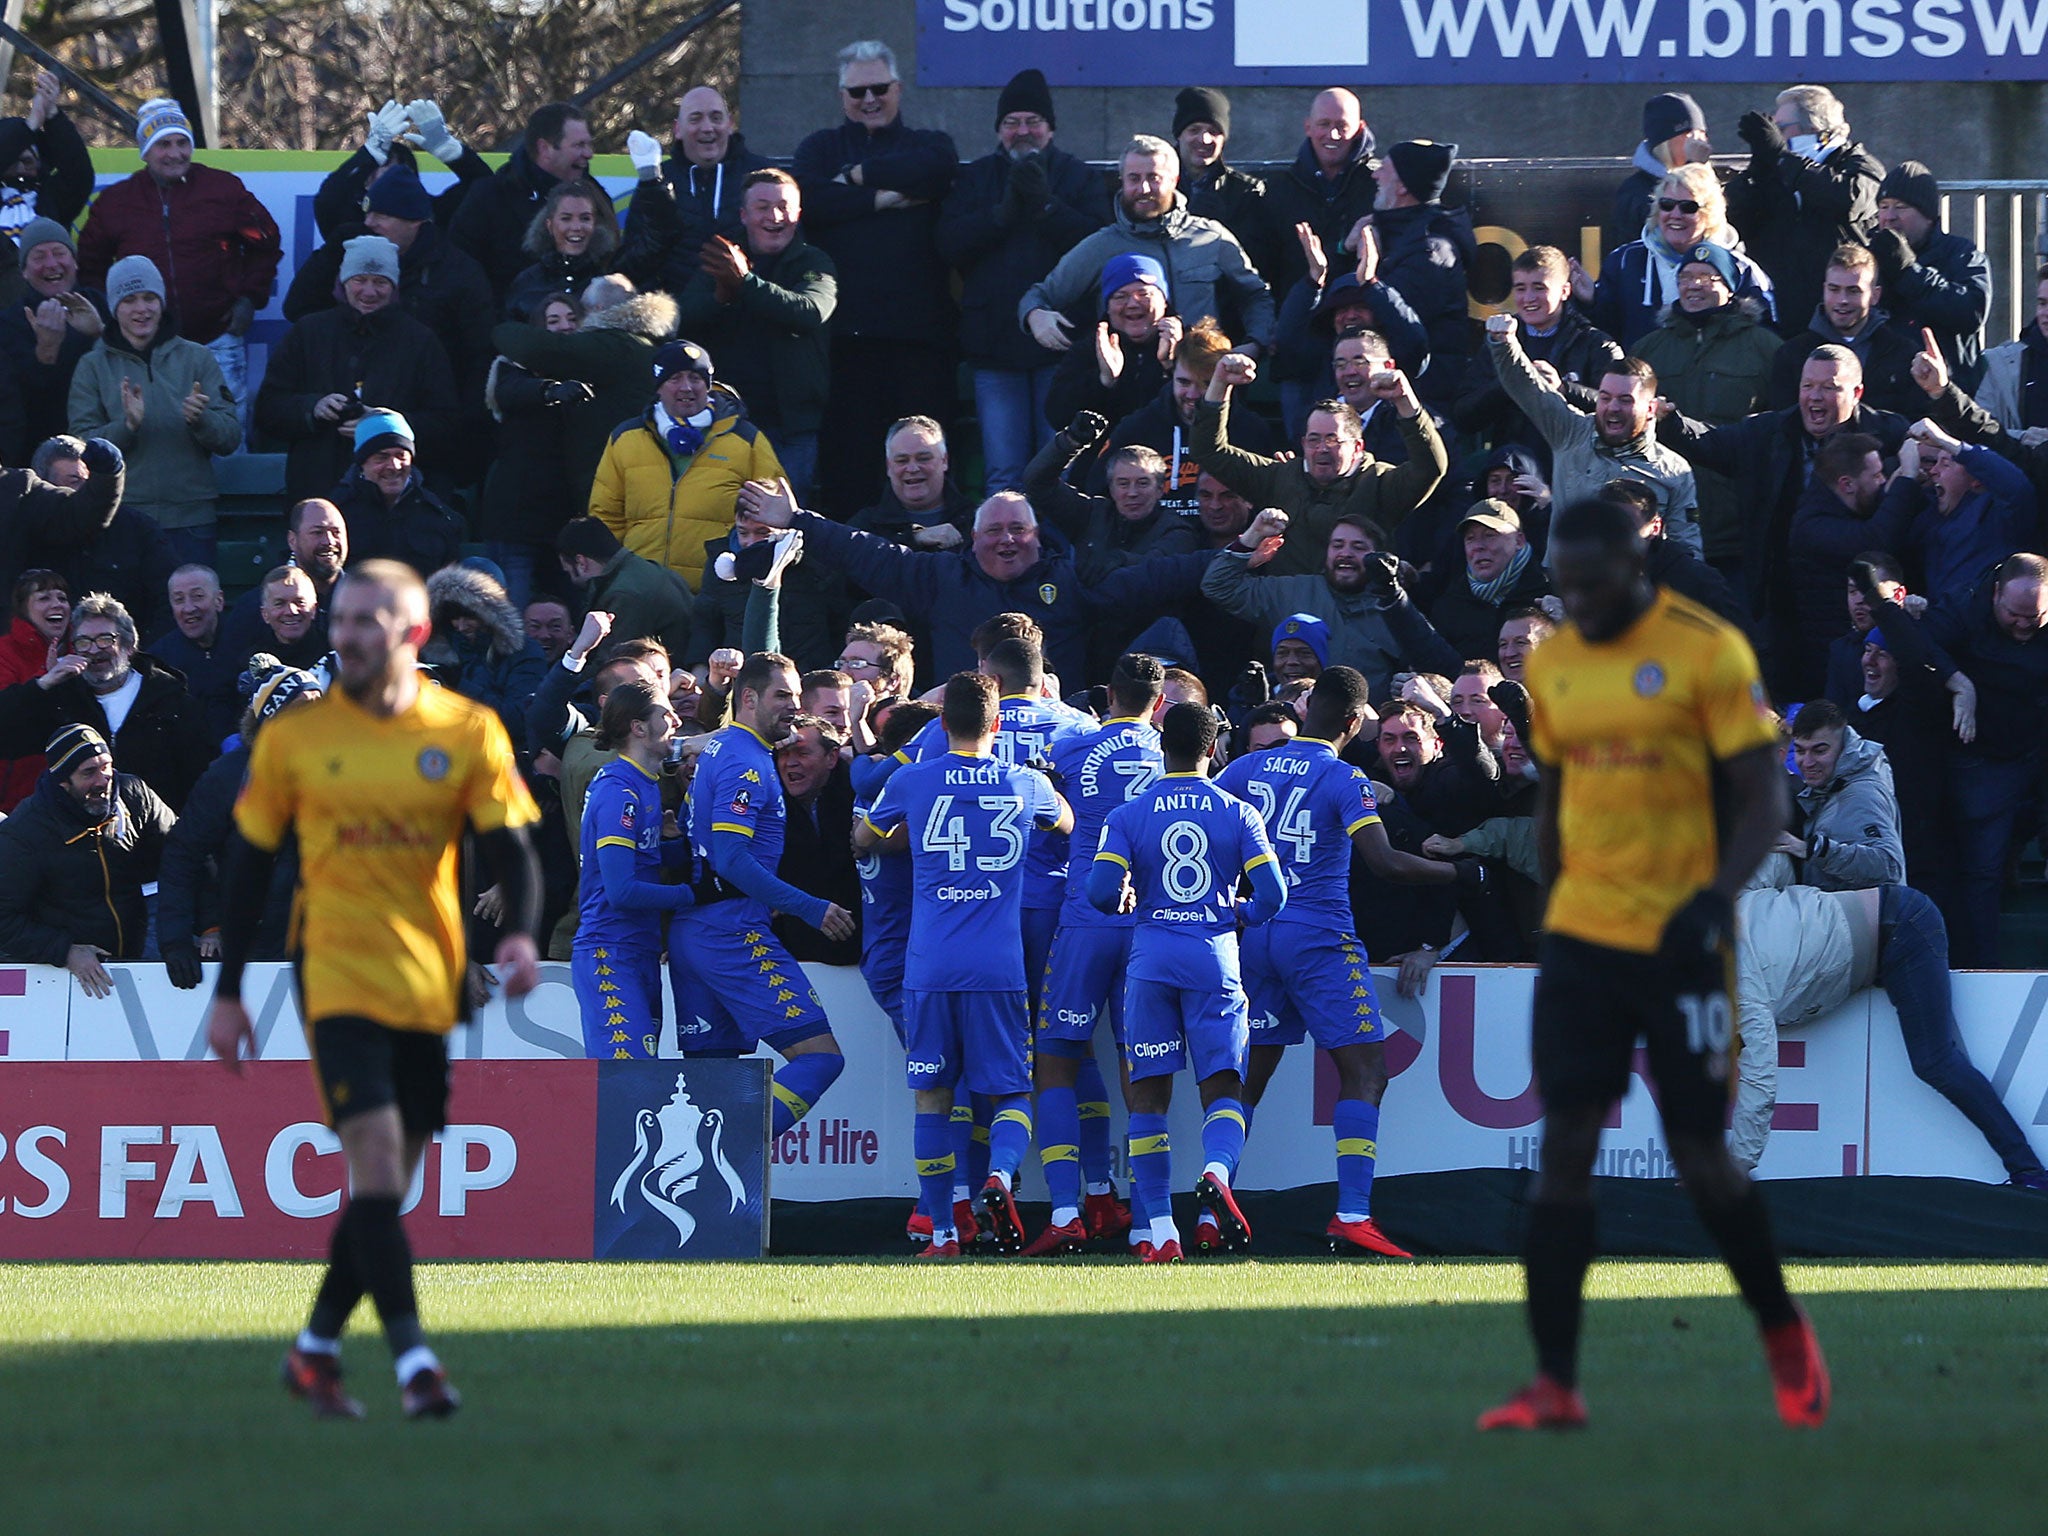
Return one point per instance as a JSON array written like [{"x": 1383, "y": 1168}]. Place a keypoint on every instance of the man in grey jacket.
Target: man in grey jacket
[
  {"x": 1207, "y": 272},
  {"x": 1848, "y": 810},
  {"x": 1616, "y": 440}
]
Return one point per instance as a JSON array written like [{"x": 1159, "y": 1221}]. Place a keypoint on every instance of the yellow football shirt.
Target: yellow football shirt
[
  {"x": 379, "y": 805},
  {"x": 1636, "y": 725}
]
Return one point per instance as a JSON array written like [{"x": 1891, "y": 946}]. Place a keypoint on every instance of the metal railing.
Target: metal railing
[{"x": 2008, "y": 222}]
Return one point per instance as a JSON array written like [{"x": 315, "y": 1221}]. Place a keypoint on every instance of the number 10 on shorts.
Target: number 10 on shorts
[{"x": 1706, "y": 1022}]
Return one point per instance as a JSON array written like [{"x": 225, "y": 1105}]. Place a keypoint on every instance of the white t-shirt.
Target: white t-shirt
[{"x": 120, "y": 701}]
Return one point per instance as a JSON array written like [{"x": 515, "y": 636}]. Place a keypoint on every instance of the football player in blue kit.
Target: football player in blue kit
[
  {"x": 730, "y": 968},
  {"x": 1307, "y": 973},
  {"x": 615, "y": 964},
  {"x": 1173, "y": 856},
  {"x": 1097, "y": 771},
  {"x": 964, "y": 819}
]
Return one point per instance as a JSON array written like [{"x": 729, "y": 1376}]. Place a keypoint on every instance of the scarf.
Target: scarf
[
  {"x": 1492, "y": 592},
  {"x": 683, "y": 438}
]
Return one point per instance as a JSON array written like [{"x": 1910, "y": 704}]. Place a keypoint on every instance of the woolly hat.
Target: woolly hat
[
  {"x": 369, "y": 256},
  {"x": 41, "y": 232},
  {"x": 71, "y": 746},
  {"x": 399, "y": 194},
  {"x": 132, "y": 275},
  {"x": 682, "y": 357},
  {"x": 1719, "y": 257},
  {"x": 268, "y": 684},
  {"x": 1875, "y": 636},
  {"x": 1911, "y": 183},
  {"x": 381, "y": 429},
  {"x": 1309, "y": 630},
  {"x": 588, "y": 537},
  {"x": 1201, "y": 104},
  {"x": 1128, "y": 267},
  {"x": 1424, "y": 167},
  {"x": 1669, "y": 115},
  {"x": 1026, "y": 92},
  {"x": 161, "y": 118}
]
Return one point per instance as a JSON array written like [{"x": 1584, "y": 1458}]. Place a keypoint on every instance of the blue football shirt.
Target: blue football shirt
[
  {"x": 1185, "y": 842},
  {"x": 621, "y": 808},
  {"x": 736, "y": 789},
  {"x": 1311, "y": 802},
  {"x": 1100, "y": 770}
]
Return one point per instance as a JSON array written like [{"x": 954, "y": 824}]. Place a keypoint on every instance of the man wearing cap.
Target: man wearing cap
[
  {"x": 694, "y": 195},
  {"x": 1234, "y": 198},
  {"x": 49, "y": 326},
  {"x": 1129, "y": 357},
  {"x": 1674, "y": 134},
  {"x": 1931, "y": 278},
  {"x": 642, "y": 597},
  {"x": 1010, "y": 217},
  {"x": 161, "y": 400},
  {"x": 1327, "y": 189},
  {"x": 335, "y": 364},
  {"x": 1850, "y": 315},
  {"x": 1207, "y": 270},
  {"x": 217, "y": 245},
  {"x": 668, "y": 478},
  {"x": 77, "y": 853},
  {"x": 1420, "y": 249},
  {"x": 385, "y": 502},
  {"x": 1500, "y": 573}
]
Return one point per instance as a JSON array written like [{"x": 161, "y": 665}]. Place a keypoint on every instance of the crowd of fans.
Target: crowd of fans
[{"x": 736, "y": 418}]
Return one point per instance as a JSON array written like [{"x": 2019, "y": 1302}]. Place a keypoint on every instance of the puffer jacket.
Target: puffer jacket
[
  {"x": 170, "y": 464},
  {"x": 73, "y": 880},
  {"x": 1851, "y": 823},
  {"x": 207, "y": 233},
  {"x": 667, "y": 509},
  {"x": 1207, "y": 272},
  {"x": 499, "y": 666}
]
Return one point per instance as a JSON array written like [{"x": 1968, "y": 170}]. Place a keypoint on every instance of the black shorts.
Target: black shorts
[
  {"x": 1594, "y": 1003},
  {"x": 362, "y": 1065}
]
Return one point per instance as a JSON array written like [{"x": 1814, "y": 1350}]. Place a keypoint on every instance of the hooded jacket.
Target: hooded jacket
[
  {"x": 667, "y": 509},
  {"x": 1793, "y": 212},
  {"x": 1207, "y": 272},
  {"x": 72, "y": 879},
  {"x": 1880, "y": 346},
  {"x": 1425, "y": 252},
  {"x": 162, "y": 741},
  {"x": 772, "y": 343},
  {"x": 499, "y": 666},
  {"x": 997, "y": 260},
  {"x": 1851, "y": 823},
  {"x": 893, "y": 285},
  {"x": 170, "y": 464},
  {"x": 1640, "y": 280},
  {"x": 208, "y": 235}
]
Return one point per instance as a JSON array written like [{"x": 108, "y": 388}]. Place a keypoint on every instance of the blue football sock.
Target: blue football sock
[
  {"x": 960, "y": 1129},
  {"x": 1152, "y": 1166},
  {"x": 1009, "y": 1138},
  {"x": 1357, "y": 1125},
  {"x": 1223, "y": 1131},
  {"x": 977, "y": 1151},
  {"x": 801, "y": 1083},
  {"x": 1059, "y": 1131},
  {"x": 1092, "y": 1098},
  {"x": 931, "y": 1143},
  {"x": 1141, "y": 1213}
]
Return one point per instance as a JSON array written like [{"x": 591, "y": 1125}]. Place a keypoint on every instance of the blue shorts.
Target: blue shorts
[
  {"x": 1039, "y": 924},
  {"x": 618, "y": 993},
  {"x": 980, "y": 1039},
  {"x": 1085, "y": 971},
  {"x": 736, "y": 987},
  {"x": 1168, "y": 1027},
  {"x": 883, "y": 972},
  {"x": 1312, "y": 981}
]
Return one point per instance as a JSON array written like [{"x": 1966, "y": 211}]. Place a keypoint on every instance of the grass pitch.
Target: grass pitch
[{"x": 1091, "y": 1396}]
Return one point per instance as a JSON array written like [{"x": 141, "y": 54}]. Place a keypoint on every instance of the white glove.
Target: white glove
[
  {"x": 430, "y": 131},
  {"x": 386, "y": 123},
  {"x": 644, "y": 150}
]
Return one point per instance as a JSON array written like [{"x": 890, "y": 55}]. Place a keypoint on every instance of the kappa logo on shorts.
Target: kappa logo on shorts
[
  {"x": 433, "y": 765},
  {"x": 671, "y": 1147},
  {"x": 1649, "y": 680}
]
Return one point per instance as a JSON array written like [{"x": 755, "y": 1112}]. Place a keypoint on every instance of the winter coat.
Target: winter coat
[
  {"x": 1103, "y": 539},
  {"x": 1470, "y": 625},
  {"x": 526, "y": 496},
  {"x": 35, "y": 514},
  {"x": 1887, "y": 358},
  {"x": 1640, "y": 280},
  {"x": 1581, "y": 353},
  {"x": 666, "y": 509},
  {"x": 1365, "y": 631},
  {"x": 772, "y": 342},
  {"x": 889, "y": 519},
  {"x": 1236, "y": 199},
  {"x": 612, "y": 352},
  {"x": 1157, "y": 425},
  {"x": 162, "y": 741},
  {"x": 893, "y": 285},
  {"x": 2011, "y": 676},
  {"x": 73, "y": 880},
  {"x": 999, "y": 254},
  {"x": 1425, "y": 252},
  {"x": 499, "y": 666},
  {"x": 64, "y": 184},
  {"x": 1307, "y": 332},
  {"x": 1851, "y": 823},
  {"x": 24, "y": 657},
  {"x": 1580, "y": 462},
  {"x": 1914, "y": 725},
  {"x": 338, "y": 204},
  {"x": 552, "y": 275},
  {"x": 670, "y": 216},
  {"x": 817, "y": 857},
  {"x": 951, "y": 589},
  {"x": 170, "y": 464},
  {"x": 210, "y": 675},
  {"x": 188, "y": 888},
  {"x": 1386, "y": 493},
  {"x": 439, "y": 284},
  {"x": 492, "y": 222},
  {"x": 1301, "y": 194},
  {"x": 45, "y": 387},
  {"x": 1077, "y": 381},
  {"x": 1956, "y": 549},
  {"x": 1793, "y": 212},
  {"x": 388, "y": 360},
  {"x": 1715, "y": 369},
  {"x": 1207, "y": 272},
  {"x": 420, "y": 528},
  {"x": 2014, "y": 386},
  {"x": 209, "y": 237},
  {"x": 129, "y": 559},
  {"x": 1946, "y": 288}
]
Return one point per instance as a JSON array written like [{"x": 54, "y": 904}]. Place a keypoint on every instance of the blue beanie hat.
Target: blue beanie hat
[
  {"x": 1719, "y": 257},
  {"x": 1309, "y": 630},
  {"x": 1123, "y": 270},
  {"x": 400, "y": 194}
]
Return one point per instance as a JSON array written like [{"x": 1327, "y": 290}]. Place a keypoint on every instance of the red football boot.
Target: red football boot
[
  {"x": 1543, "y": 1404},
  {"x": 1799, "y": 1374},
  {"x": 1217, "y": 1201},
  {"x": 1354, "y": 1237},
  {"x": 1106, "y": 1216},
  {"x": 317, "y": 1379},
  {"x": 1067, "y": 1237}
]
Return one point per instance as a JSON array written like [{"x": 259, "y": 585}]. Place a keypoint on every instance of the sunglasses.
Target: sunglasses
[
  {"x": 1677, "y": 205},
  {"x": 876, "y": 91},
  {"x": 850, "y": 664}
]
